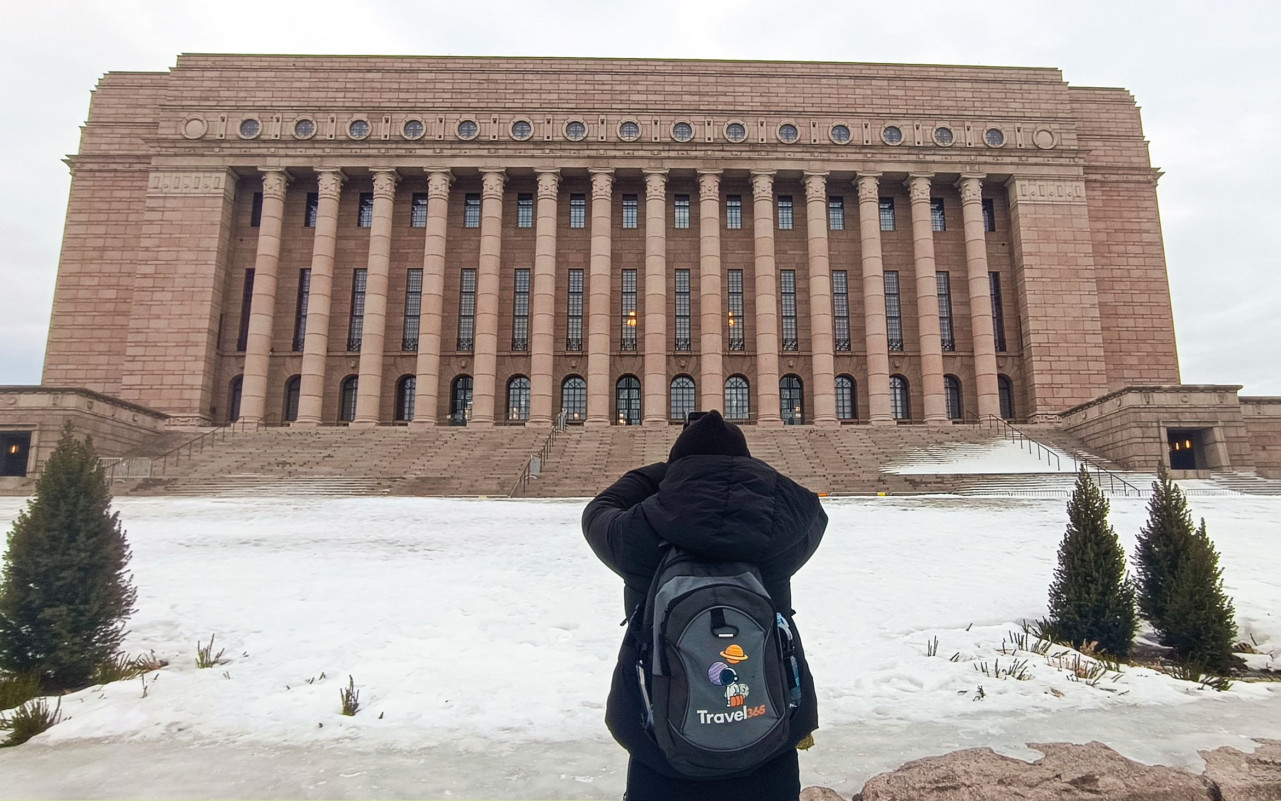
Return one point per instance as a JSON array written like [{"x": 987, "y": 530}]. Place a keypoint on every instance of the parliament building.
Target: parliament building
[{"x": 319, "y": 240}]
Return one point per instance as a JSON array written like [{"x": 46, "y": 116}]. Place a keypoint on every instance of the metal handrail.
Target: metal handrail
[
  {"x": 526, "y": 472},
  {"x": 1115, "y": 483},
  {"x": 209, "y": 437},
  {"x": 1015, "y": 435}
]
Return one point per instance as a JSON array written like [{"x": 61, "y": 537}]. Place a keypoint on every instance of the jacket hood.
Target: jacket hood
[{"x": 730, "y": 508}]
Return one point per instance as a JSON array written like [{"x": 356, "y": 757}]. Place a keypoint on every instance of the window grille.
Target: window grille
[
  {"x": 631, "y": 213},
  {"x": 255, "y": 211},
  {"x": 525, "y": 211},
  {"x": 574, "y": 330},
  {"x": 309, "y": 213},
  {"x": 413, "y": 309},
  {"x": 682, "y": 211},
  {"x": 518, "y": 398},
  {"x": 520, "y": 312},
  {"x": 467, "y": 311},
  {"x": 998, "y": 312},
  {"x": 947, "y": 334},
  {"x": 734, "y": 212},
  {"x": 628, "y": 339},
  {"x": 365, "y": 214},
  {"x": 578, "y": 211},
  {"x": 347, "y": 406},
  {"x": 735, "y": 320},
  {"x": 791, "y": 400},
  {"x": 893, "y": 311},
  {"x": 246, "y": 305},
  {"x": 682, "y": 397},
  {"x": 471, "y": 211},
  {"x": 356, "y": 327},
  {"x": 938, "y": 221},
  {"x": 627, "y": 401},
  {"x": 846, "y": 402},
  {"x": 787, "y": 280},
  {"x": 418, "y": 210},
  {"x": 293, "y": 390},
  {"x": 989, "y": 215},
  {"x": 300, "y": 310},
  {"x": 836, "y": 213},
  {"x": 841, "y": 309},
  {"x": 784, "y": 212},
  {"x": 405, "y": 391},
  {"x": 1005, "y": 390},
  {"x": 952, "y": 393},
  {"x": 682, "y": 311},
  {"x": 573, "y": 399},
  {"x": 900, "y": 398},
  {"x": 460, "y": 398},
  {"x": 887, "y": 213},
  {"x": 738, "y": 404}
]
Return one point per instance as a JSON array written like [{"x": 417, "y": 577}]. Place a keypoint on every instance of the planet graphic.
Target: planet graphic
[{"x": 716, "y": 673}]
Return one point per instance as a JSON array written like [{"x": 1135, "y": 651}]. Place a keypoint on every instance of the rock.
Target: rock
[
  {"x": 1066, "y": 773},
  {"x": 820, "y": 794},
  {"x": 1246, "y": 777}
]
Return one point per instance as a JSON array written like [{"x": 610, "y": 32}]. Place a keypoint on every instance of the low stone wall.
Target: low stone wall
[
  {"x": 1129, "y": 426},
  {"x": 118, "y": 428},
  {"x": 1262, "y": 417}
]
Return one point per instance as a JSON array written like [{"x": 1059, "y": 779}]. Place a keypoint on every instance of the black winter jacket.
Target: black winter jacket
[{"x": 729, "y": 508}]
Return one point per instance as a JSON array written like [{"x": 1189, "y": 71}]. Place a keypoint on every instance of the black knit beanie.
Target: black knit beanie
[{"x": 710, "y": 435}]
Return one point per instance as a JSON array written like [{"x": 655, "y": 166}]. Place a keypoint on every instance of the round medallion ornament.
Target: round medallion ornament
[
  {"x": 522, "y": 130},
  {"x": 787, "y": 133},
  {"x": 943, "y": 136},
  {"x": 682, "y": 132},
  {"x": 194, "y": 127},
  {"x": 250, "y": 127},
  {"x": 467, "y": 129},
  {"x": 736, "y": 132},
  {"x": 413, "y": 129},
  {"x": 358, "y": 129},
  {"x": 304, "y": 128},
  {"x": 892, "y": 134},
  {"x": 629, "y": 130},
  {"x": 994, "y": 137},
  {"x": 840, "y": 134},
  {"x": 1043, "y": 138}
]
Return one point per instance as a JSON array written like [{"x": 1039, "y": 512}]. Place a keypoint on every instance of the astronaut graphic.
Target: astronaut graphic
[{"x": 722, "y": 675}]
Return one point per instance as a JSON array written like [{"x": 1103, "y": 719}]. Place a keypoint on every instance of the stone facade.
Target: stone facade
[{"x": 657, "y": 229}]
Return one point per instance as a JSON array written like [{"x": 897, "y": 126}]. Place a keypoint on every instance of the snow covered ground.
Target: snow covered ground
[{"x": 481, "y": 633}]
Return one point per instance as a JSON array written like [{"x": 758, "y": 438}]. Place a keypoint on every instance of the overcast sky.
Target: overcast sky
[{"x": 1204, "y": 74}]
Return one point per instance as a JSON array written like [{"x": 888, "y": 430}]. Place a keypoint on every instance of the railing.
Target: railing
[
  {"x": 120, "y": 468},
  {"x": 1008, "y": 431},
  {"x": 197, "y": 445},
  {"x": 1103, "y": 477},
  {"x": 527, "y": 472}
]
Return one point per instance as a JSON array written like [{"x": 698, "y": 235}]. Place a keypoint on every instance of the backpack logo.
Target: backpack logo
[{"x": 722, "y": 675}]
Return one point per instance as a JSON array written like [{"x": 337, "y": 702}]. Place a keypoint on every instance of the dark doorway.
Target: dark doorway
[
  {"x": 1186, "y": 452},
  {"x": 15, "y": 448}
]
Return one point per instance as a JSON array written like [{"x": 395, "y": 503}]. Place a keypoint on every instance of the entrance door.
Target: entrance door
[
  {"x": 628, "y": 401},
  {"x": 460, "y": 401},
  {"x": 791, "y": 400},
  {"x": 15, "y": 447},
  {"x": 1185, "y": 450}
]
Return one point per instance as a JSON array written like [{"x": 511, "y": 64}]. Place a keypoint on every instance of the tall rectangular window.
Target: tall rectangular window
[
  {"x": 578, "y": 211},
  {"x": 631, "y": 213},
  {"x": 893, "y": 311},
  {"x": 471, "y": 210},
  {"x": 629, "y": 321},
  {"x": 836, "y": 213},
  {"x": 525, "y": 210},
  {"x": 998, "y": 314},
  {"x": 467, "y": 311},
  {"x": 841, "y": 309},
  {"x": 418, "y": 210},
  {"x": 356, "y": 326},
  {"x": 246, "y": 304},
  {"x": 938, "y": 221},
  {"x": 887, "y": 213},
  {"x": 682, "y": 211},
  {"x": 309, "y": 213},
  {"x": 574, "y": 325},
  {"x": 947, "y": 334},
  {"x": 734, "y": 212},
  {"x": 365, "y": 214},
  {"x": 989, "y": 215},
  {"x": 413, "y": 309},
  {"x": 736, "y": 322},
  {"x": 255, "y": 211},
  {"x": 520, "y": 312},
  {"x": 784, "y": 212},
  {"x": 682, "y": 311},
  {"x": 787, "y": 281},
  {"x": 300, "y": 309}
]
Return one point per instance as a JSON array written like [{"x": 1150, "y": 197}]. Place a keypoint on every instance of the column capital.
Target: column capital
[
  {"x": 869, "y": 185},
  {"x": 548, "y": 183},
  {"x": 274, "y": 181},
  {"x": 655, "y": 184},
  {"x": 815, "y": 185},
  {"x": 918, "y": 185},
  {"x": 493, "y": 179},
  {"x": 602, "y": 184},
  {"x": 709, "y": 184},
  {"x": 971, "y": 186},
  {"x": 438, "y": 182},
  {"x": 329, "y": 183},
  {"x": 385, "y": 181},
  {"x": 763, "y": 183}
]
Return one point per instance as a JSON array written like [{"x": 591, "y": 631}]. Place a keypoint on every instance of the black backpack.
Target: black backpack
[{"x": 717, "y": 670}]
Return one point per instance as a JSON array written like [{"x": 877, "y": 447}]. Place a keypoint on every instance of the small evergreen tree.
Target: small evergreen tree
[
  {"x": 1091, "y": 597},
  {"x": 64, "y": 592},
  {"x": 1162, "y": 546},
  {"x": 1200, "y": 621}
]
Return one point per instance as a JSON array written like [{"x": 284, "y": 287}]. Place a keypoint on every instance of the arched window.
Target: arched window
[
  {"x": 791, "y": 400},
  {"x": 293, "y": 387},
  {"x": 1005, "y": 388},
  {"x": 518, "y": 398},
  {"x": 900, "y": 398},
  {"x": 627, "y": 403},
  {"x": 233, "y": 405},
  {"x": 347, "y": 405},
  {"x": 737, "y": 398},
  {"x": 573, "y": 398},
  {"x": 682, "y": 397},
  {"x": 405, "y": 388},
  {"x": 952, "y": 393},
  {"x": 460, "y": 400},
  {"x": 846, "y": 402}
]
